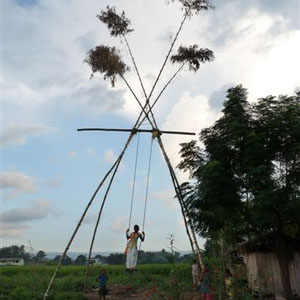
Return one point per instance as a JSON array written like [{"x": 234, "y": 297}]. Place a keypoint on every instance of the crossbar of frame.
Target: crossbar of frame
[{"x": 134, "y": 130}]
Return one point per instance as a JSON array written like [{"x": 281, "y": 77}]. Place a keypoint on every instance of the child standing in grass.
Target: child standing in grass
[
  {"x": 205, "y": 289},
  {"x": 131, "y": 248},
  {"x": 228, "y": 283},
  {"x": 195, "y": 273},
  {"x": 102, "y": 279}
]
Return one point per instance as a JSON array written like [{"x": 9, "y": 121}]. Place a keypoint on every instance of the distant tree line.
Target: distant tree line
[
  {"x": 145, "y": 257},
  {"x": 20, "y": 252}
]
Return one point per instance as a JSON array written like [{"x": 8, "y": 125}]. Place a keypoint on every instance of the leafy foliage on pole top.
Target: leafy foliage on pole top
[
  {"x": 106, "y": 60},
  {"x": 194, "y": 6},
  {"x": 192, "y": 56},
  {"x": 117, "y": 24}
]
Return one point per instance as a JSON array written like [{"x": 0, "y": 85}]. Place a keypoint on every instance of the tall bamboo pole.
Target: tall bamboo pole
[
  {"x": 154, "y": 126},
  {"x": 135, "y": 66},
  {"x": 116, "y": 164},
  {"x": 101, "y": 209},
  {"x": 136, "y": 98},
  {"x": 173, "y": 176},
  {"x": 184, "y": 211},
  {"x": 160, "y": 93},
  {"x": 169, "y": 53},
  {"x": 159, "y": 74},
  {"x": 176, "y": 190},
  {"x": 82, "y": 218}
]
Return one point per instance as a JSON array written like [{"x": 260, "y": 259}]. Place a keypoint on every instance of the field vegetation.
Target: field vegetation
[{"x": 151, "y": 281}]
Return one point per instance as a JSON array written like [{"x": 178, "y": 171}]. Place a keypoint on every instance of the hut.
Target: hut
[
  {"x": 263, "y": 269},
  {"x": 11, "y": 262}
]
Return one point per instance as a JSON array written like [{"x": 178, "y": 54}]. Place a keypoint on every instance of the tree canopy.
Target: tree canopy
[
  {"x": 245, "y": 178},
  {"x": 14, "y": 252}
]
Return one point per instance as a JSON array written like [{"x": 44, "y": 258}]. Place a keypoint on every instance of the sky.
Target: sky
[{"x": 49, "y": 170}]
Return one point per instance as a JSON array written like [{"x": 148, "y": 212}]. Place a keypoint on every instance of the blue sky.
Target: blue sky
[{"x": 49, "y": 170}]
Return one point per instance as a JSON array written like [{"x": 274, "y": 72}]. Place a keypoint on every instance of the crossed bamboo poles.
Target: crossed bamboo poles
[{"x": 146, "y": 113}]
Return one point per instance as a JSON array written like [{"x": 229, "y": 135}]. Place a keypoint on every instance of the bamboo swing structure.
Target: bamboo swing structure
[{"x": 192, "y": 59}]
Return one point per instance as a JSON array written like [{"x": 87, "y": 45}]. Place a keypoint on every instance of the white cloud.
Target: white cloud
[
  {"x": 119, "y": 224},
  {"x": 17, "y": 183},
  {"x": 277, "y": 72},
  {"x": 167, "y": 198},
  {"x": 62, "y": 45},
  {"x": 91, "y": 219},
  {"x": 38, "y": 210},
  {"x": 45, "y": 79},
  {"x": 53, "y": 183},
  {"x": 91, "y": 151},
  {"x": 15, "y": 221},
  {"x": 190, "y": 114},
  {"x": 16, "y": 134},
  {"x": 18, "y": 91},
  {"x": 12, "y": 231},
  {"x": 46, "y": 70},
  {"x": 255, "y": 56},
  {"x": 109, "y": 156},
  {"x": 73, "y": 154}
]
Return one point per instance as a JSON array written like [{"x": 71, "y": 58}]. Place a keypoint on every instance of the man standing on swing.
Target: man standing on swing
[{"x": 131, "y": 250}]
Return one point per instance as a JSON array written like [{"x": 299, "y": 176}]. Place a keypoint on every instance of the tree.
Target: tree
[
  {"x": 216, "y": 171},
  {"x": 245, "y": 180},
  {"x": 80, "y": 260},
  {"x": 101, "y": 258},
  {"x": 66, "y": 261},
  {"x": 14, "y": 252},
  {"x": 40, "y": 256},
  {"x": 115, "y": 259}
]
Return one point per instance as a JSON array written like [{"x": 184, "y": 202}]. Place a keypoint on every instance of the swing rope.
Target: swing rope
[
  {"x": 147, "y": 188},
  {"x": 134, "y": 176},
  {"x": 147, "y": 184}
]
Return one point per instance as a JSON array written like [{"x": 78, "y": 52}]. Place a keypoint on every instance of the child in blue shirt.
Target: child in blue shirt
[{"x": 102, "y": 279}]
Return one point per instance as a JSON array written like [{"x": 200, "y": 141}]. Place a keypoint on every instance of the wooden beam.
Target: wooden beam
[{"x": 137, "y": 130}]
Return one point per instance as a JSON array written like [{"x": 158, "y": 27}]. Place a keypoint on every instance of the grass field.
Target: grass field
[
  {"x": 30, "y": 282},
  {"x": 156, "y": 281}
]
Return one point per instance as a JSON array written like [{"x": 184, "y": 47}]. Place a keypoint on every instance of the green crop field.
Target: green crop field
[
  {"x": 30, "y": 282},
  {"x": 153, "y": 281}
]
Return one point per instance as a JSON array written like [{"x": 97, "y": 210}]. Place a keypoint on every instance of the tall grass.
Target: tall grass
[
  {"x": 30, "y": 282},
  {"x": 156, "y": 281}
]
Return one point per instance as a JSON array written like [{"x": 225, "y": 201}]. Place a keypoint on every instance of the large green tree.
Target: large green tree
[
  {"x": 15, "y": 252},
  {"x": 40, "y": 256},
  {"x": 80, "y": 260},
  {"x": 245, "y": 178}
]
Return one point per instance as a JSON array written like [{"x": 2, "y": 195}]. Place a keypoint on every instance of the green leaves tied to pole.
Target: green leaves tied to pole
[
  {"x": 194, "y": 6},
  {"x": 192, "y": 56},
  {"x": 116, "y": 24},
  {"x": 106, "y": 60}
]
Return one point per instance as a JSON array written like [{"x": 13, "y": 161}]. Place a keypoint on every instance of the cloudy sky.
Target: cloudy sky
[{"x": 49, "y": 170}]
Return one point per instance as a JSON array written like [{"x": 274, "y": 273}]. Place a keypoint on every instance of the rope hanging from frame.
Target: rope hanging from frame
[
  {"x": 147, "y": 187},
  {"x": 134, "y": 180},
  {"x": 147, "y": 183},
  {"x": 134, "y": 176}
]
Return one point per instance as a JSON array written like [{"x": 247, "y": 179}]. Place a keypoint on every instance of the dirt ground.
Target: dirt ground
[
  {"x": 123, "y": 292},
  {"x": 118, "y": 292}
]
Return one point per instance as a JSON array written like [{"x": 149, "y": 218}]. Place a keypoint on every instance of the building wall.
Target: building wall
[
  {"x": 294, "y": 269},
  {"x": 264, "y": 272},
  {"x": 12, "y": 262}
]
